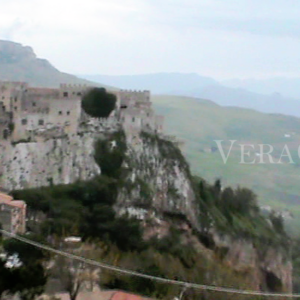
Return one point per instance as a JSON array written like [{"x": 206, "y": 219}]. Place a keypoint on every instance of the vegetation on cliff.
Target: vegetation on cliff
[{"x": 235, "y": 212}]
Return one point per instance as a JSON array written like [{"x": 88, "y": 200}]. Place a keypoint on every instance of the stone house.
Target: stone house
[{"x": 12, "y": 214}]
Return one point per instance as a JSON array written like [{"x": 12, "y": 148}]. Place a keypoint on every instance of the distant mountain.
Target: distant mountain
[
  {"x": 194, "y": 85},
  {"x": 289, "y": 87},
  {"x": 272, "y": 103},
  {"x": 19, "y": 63},
  {"x": 158, "y": 83}
]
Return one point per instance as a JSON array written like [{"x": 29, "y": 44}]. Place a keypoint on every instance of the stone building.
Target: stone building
[
  {"x": 136, "y": 112},
  {"x": 11, "y": 94},
  {"x": 5, "y": 123},
  {"x": 12, "y": 214},
  {"x": 37, "y": 112}
]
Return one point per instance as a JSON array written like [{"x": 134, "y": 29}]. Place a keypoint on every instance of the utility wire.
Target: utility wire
[{"x": 146, "y": 276}]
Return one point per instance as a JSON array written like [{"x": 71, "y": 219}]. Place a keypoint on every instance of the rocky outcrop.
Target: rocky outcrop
[
  {"x": 269, "y": 267},
  {"x": 55, "y": 161},
  {"x": 158, "y": 178}
]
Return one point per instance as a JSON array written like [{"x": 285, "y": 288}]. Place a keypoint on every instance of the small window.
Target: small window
[
  {"x": 41, "y": 122},
  {"x": 24, "y": 121},
  {"x": 60, "y": 112},
  {"x": 5, "y": 134},
  {"x": 16, "y": 99},
  {"x": 15, "y": 108},
  {"x": 68, "y": 113},
  {"x": 133, "y": 119},
  {"x": 66, "y": 94},
  {"x": 33, "y": 104},
  {"x": 3, "y": 97},
  {"x": 79, "y": 94}
]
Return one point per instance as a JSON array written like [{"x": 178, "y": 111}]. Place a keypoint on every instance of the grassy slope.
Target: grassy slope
[{"x": 200, "y": 122}]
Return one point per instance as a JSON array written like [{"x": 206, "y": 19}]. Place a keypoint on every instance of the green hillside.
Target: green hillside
[{"x": 199, "y": 122}]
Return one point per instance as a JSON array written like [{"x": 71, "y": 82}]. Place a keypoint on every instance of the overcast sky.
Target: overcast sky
[{"x": 218, "y": 38}]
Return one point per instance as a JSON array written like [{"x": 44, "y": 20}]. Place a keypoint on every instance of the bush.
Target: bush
[
  {"x": 110, "y": 159},
  {"x": 98, "y": 103}
]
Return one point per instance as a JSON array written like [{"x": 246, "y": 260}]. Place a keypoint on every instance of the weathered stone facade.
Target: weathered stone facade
[{"x": 12, "y": 214}]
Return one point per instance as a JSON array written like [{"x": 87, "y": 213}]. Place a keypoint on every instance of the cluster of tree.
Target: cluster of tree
[
  {"x": 236, "y": 212},
  {"x": 98, "y": 103}
]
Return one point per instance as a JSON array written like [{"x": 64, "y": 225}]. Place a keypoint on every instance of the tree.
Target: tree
[
  {"x": 98, "y": 103},
  {"x": 29, "y": 281},
  {"x": 4, "y": 278},
  {"x": 28, "y": 254},
  {"x": 71, "y": 274}
]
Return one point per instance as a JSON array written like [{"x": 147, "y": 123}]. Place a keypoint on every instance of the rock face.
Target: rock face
[
  {"x": 56, "y": 161},
  {"x": 270, "y": 269},
  {"x": 158, "y": 178}
]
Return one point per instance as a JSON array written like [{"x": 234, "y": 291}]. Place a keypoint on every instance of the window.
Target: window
[
  {"x": 60, "y": 112},
  {"x": 15, "y": 108},
  {"x": 16, "y": 99},
  {"x": 24, "y": 121},
  {"x": 79, "y": 94},
  {"x": 33, "y": 104},
  {"x": 68, "y": 113},
  {"x": 133, "y": 119},
  {"x": 66, "y": 94},
  {"x": 41, "y": 122},
  {"x": 5, "y": 134}
]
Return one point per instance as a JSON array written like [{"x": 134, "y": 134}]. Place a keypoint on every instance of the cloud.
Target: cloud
[{"x": 213, "y": 37}]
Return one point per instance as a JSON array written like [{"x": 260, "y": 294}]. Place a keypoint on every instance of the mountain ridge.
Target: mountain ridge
[
  {"x": 20, "y": 63},
  {"x": 194, "y": 85}
]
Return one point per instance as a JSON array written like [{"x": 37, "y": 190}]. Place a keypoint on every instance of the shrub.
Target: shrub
[{"x": 98, "y": 103}]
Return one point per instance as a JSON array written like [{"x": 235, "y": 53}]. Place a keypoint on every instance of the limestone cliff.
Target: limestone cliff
[
  {"x": 156, "y": 185},
  {"x": 158, "y": 178},
  {"x": 55, "y": 161}
]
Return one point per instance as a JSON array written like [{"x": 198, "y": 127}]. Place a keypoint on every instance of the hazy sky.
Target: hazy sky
[{"x": 218, "y": 38}]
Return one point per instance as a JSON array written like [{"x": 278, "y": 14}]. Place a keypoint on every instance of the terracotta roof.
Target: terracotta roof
[
  {"x": 124, "y": 296},
  {"x": 17, "y": 203},
  {"x": 8, "y": 200},
  {"x": 5, "y": 198}
]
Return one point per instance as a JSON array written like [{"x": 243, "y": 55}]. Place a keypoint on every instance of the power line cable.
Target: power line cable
[{"x": 146, "y": 276}]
